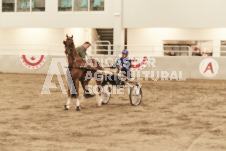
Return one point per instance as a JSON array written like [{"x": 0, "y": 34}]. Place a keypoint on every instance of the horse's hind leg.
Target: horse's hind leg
[
  {"x": 67, "y": 106},
  {"x": 99, "y": 98},
  {"x": 85, "y": 83}
]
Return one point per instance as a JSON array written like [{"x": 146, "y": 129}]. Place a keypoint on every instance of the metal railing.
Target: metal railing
[
  {"x": 100, "y": 49},
  {"x": 216, "y": 51}
]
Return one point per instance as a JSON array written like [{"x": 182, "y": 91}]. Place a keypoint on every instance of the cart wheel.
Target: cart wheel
[
  {"x": 106, "y": 94},
  {"x": 135, "y": 95}
]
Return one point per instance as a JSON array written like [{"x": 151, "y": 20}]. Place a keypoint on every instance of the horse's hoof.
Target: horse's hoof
[
  {"x": 77, "y": 108},
  {"x": 98, "y": 105},
  {"x": 66, "y": 107}
]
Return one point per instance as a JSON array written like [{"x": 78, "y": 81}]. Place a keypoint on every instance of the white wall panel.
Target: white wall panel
[
  {"x": 51, "y": 18},
  {"x": 156, "y": 36},
  {"x": 22, "y": 36},
  {"x": 174, "y": 13}
]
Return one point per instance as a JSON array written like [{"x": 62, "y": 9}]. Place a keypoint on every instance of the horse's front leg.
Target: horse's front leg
[
  {"x": 71, "y": 91},
  {"x": 67, "y": 106},
  {"x": 71, "y": 94},
  {"x": 78, "y": 104}
]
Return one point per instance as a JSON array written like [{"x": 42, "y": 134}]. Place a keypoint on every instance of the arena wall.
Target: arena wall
[{"x": 188, "y": 67}]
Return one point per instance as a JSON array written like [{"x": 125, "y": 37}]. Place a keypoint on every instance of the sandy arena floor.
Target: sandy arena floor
[{"x": 174, "y": 116}]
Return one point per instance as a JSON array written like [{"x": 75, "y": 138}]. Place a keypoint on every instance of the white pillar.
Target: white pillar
[
  {"x": 217, "y": 48},
  {"x": 118, "y": 27}
]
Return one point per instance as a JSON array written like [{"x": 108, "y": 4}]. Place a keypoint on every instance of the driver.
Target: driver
[{"x": 123, "y": 64}]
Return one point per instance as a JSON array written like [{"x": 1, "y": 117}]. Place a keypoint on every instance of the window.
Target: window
[
  {"x": 203, "y": 48},
  {"x": 97, "y": 5},
  {"x": 176, "y": 50},
  {"x": 23, "y": 5},
  {"x": 8, "y": 5},
  {"x": 177, "y": 47},
  {"x": 65, "y": 5},
  {"x": 38, "y": 5},
  {"x": 81, "y": 5}
]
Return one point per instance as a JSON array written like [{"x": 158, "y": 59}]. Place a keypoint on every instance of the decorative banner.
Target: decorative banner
[
  {"x": 139, "y": 63},
  {"x": 209, "y": 67},
  {"x": 33, "y": 61}
]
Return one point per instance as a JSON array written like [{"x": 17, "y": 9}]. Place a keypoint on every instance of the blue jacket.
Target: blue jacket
[{"x": 126, "y": 63}]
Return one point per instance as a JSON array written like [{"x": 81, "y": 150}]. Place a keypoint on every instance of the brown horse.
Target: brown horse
[{"x": 78, "y": 70}]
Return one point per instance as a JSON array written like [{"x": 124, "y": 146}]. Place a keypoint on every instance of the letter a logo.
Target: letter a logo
[{"x": 209, "y": 68}]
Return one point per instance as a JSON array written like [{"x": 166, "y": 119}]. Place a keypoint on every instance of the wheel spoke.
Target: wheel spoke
[
  {"x": 135, "y": 95},
  {"x": 106, "y": 94}
]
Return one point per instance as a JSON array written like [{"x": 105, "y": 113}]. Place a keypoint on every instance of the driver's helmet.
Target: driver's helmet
[{"x": 125, "y": 52}]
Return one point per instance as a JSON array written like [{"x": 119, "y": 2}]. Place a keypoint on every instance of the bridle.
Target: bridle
[{"x": 69, "y": 52}]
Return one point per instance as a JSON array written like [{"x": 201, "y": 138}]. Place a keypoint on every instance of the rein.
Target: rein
[
  {"x": 82, "y": 68},
  {"x": 70, "y": 54},
  {"x": 72, "y": 57}
]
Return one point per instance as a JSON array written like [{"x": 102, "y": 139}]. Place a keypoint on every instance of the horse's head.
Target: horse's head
[
  {"x": 69, "y": 44},
  {"x": 71, "y": 53}
]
